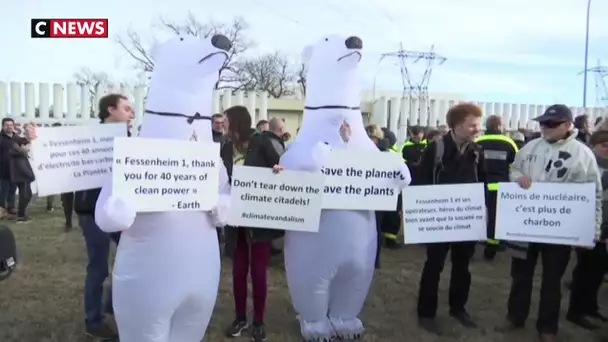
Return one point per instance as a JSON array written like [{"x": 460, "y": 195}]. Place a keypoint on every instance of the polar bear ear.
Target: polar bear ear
[{"x": 307, "y": 53}]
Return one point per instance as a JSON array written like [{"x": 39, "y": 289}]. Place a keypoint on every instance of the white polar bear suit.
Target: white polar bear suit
[
  {"x": 329, "y": 273},
  {"x": 167, "y": 268}
]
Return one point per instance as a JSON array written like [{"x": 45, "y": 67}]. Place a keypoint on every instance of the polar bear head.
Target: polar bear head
[
  {"x": 332, "y": 78},
  {"x": 183, "y": 61},
  {"x": 180, "y": 97}
]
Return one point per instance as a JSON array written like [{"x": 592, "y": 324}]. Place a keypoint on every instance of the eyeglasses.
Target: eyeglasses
[{"x": 551, "y": 124}]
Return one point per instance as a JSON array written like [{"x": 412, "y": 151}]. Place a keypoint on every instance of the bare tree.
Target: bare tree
[
  {"x": 94, "y": 81},
  {"x": 133, "y": 45},
  {"x": 271, "y": 72},
  {"x": 301, "y": 78}
]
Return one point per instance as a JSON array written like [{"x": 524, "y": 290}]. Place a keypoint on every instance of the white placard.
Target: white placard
[
  {"x": 166, "y": 175},
  {"x": 289, "y": 200},
  {"x": 73, "y": 158},
  {"x": 556, "y": 213},
  {"x": 444, "y": 213},
  {"x": 358, "y": 180}
]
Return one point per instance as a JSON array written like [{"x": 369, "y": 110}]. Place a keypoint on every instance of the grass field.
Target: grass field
[{"x": 42, "y": 301}]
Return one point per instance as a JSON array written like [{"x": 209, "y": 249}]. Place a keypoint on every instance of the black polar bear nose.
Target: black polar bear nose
[
  {"x": 354, "y": 42},
  {"x": 221, "y": 42}
]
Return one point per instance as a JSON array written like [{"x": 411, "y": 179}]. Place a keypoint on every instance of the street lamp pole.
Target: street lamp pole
[{"x": 585, "y": 72}]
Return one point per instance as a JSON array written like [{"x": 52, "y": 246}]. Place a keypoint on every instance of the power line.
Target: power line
[
  {"x": 601, "y": 89},
  {"x": 416, "y": 88}
]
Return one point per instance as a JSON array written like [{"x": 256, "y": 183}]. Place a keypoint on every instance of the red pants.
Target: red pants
[{"x": 257, "y": 255}]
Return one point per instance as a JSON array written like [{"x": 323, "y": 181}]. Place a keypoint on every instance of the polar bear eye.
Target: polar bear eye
[
  {"x": 181, "y": 39},
  {"x": 326, "y": 39}
]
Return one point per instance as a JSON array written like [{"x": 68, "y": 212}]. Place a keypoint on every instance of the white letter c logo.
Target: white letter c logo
[{"x": 37, "y": 28}]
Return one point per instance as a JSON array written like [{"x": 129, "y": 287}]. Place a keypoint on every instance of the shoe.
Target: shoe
[
  {"x": 275, "y": 251},
  {"x": 582, "y": 322},
  {"x": 599, "y": 317},
  {"x": 258, "y": 333},
  {"x": 237, "y": 328},
  {"x": 392, "y": 244},
  {"x": 508, "y": 326},
  {"x": 67, "y": 228},
  {"x": 463, "y": 318},
  {"x": 101, "y": 332},
  {"x": 430, "y": 325},
  {"x": 24, "y": 219},
  {"x": 547, "y": 337},
  {"x": 50, "y": 210},
  {"x": 489, "y": 254}
]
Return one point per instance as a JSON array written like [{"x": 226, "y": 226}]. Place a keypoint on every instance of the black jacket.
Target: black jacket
[
  {"x": 19, "y": 164},
  {"x": 218, "y": 137},
  {"x": 259, "y": 154},
  {"x": 85, "y": 200},
  {"x": 499, "y": 152},
  {"x": 6, "y": 144},
  {"x": 457, "y": 168},
  {"x": 271, "y": 147}
]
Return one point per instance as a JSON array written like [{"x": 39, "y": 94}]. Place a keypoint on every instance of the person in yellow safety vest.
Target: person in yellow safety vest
[
  {"x": 391, "y": 220},
  {"x": 413, "y": 149},
  {"x": 499, "y": 151}
]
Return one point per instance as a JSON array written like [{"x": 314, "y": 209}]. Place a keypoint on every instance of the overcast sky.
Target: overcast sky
[{"x": 524, "y": 51}]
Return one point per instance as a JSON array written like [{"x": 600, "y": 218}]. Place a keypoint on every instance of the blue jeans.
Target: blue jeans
[
  {"x": 7, "y": 194},
  {"x": 98, "y": 251}
]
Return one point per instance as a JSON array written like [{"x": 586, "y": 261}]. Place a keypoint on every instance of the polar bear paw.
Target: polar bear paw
[
  {"x": 348, "y": 329},
  {"x": 120, "y": 215},
  {"x": 219, "y": 213},
  {"x": 317, "y": 331}
]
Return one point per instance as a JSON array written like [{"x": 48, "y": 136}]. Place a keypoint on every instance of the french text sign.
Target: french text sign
[
  {"x": 444, "y": 213},
  {"x": 166, "y": 175},
  {"x": 556, "y": 213},
  {"x": 358, "y": 180},
  {"x": 73, "y": 158},
  {"x": 289, "y": 200}
]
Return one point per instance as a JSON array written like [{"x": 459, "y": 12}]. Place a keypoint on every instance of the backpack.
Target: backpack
[{"x": 438, "y": 162}]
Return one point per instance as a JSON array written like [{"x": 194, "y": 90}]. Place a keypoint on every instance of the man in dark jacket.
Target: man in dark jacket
[
  {"x": 413, "y": 149},
  {"x": 499, "y": 152},
  {"x": 272, "y": 144},
  {"x": 591, "y": 264},
  {"x": 462, "y": 161},
  {"x": 21, "y": 174},
  {"x": 7, "y": 188},
  {"x": 581, "y": 123},
  {"x": 218, "y": 128},
  {"x": 113, "y": 108}
]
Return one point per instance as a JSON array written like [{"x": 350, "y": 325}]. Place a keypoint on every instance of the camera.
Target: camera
[{"x": 8, "y": 252}]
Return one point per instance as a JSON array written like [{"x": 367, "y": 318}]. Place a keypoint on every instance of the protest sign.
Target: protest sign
[
  {"x": 556, "y": 213},
  {"x": 444, "y": 213},
  {"x": 358, "y": 180},
  {"x": 73, "y": 158},
  {"x": 289, "y": 200},
  {"x": 166, "y": 175}
]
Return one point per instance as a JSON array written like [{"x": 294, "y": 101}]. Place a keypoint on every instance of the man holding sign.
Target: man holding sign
[
  {"x": 451, "y": 159},
  {"x": 556, "y": 157}
]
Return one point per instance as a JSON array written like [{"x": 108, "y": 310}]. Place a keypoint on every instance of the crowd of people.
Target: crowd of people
[{"x": 451, "y": 154}]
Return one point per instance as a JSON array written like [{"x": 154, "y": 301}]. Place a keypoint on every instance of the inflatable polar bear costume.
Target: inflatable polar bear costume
[
  {"x": 167, "y": 268},
  {"x": 329, "y": 296}
]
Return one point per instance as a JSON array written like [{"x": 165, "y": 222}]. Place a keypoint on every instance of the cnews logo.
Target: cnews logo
[{"x": 69, "y": 28}]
